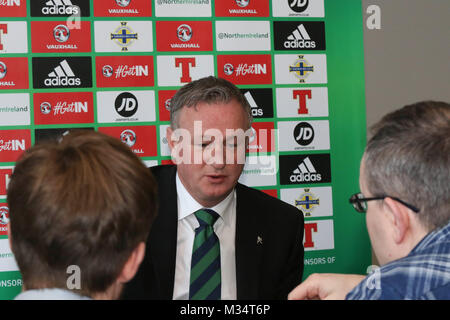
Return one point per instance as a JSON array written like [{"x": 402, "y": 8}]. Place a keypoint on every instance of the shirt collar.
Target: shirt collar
[
  {"x": 437, "y": 235},
  {"x": 187, "y": 205}
]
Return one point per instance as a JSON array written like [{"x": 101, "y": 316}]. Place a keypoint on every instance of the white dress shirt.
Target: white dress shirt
[
  {"x": 49, "y": 294},
  {"x": 225, "y": 229}
]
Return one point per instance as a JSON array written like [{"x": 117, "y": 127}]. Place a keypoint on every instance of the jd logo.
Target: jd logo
[
  {"x": 303, "y": 133},
  {"x": 126, "y": 104},
  {"x": 298, "y": 5}
]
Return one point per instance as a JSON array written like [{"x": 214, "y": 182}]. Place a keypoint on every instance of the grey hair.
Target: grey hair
[
  {"x": 408, "y": 157},
  {"x": 207, "y": 90}
]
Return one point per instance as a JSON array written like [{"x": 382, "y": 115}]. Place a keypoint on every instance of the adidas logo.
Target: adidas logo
[
  {"x": 56, "y": 7},
  {"x": 305, "y": 172},
  {"x": 256, "y": 111},
  {"x": 299, "y": 38},
  {"x": 62, "y": 75}
]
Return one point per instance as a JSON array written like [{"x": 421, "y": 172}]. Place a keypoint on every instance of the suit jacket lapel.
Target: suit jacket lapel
[
  {"x": 163, "y": 239},
  {"x": 249, "y": 247}
]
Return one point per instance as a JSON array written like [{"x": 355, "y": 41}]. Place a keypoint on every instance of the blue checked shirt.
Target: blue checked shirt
[{"x": 423, "y": 274}]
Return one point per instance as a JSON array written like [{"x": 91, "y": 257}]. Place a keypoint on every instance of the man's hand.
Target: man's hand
[{"x": 325, "y": 286}]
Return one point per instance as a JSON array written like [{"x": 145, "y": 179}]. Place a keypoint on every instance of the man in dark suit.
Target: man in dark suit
[{"x": 215, "y": 238}]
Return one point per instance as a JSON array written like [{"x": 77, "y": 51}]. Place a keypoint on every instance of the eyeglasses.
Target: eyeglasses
[{"x": 360, "y": 203}]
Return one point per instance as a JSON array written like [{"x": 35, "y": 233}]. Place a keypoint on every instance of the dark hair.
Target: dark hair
[
  {"x": 207, "y": 90},
  {"x": 87, "y": 201},
  {"x": 408, "y": 157}
]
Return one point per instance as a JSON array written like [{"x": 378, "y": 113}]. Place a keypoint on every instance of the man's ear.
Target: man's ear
[
  {"x": 170, "y": 141},
  {"x": 400, "y": 219},
  {"x": 132, "y": 265}
]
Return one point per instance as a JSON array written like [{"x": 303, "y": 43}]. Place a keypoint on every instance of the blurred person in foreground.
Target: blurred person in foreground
[
  {"x": 83, "y": 204},
  {"x": 405, "y": 193}
]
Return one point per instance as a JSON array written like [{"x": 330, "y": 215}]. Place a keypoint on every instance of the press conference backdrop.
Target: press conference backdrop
[{"x": 113, "y": 66}]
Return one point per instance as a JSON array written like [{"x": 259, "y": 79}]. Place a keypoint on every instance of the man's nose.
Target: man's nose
[{"x": 218, "y": 156}]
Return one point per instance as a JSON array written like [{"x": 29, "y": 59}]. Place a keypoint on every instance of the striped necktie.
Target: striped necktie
[{"x": 205, "y": 280}]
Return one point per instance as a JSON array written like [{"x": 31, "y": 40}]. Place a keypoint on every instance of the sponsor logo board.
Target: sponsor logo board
[
  {"x": 7, "y": 260},
  {"x": 164, "y": 98},
  {"x": 54, "y": 134},
  {"x": 298, "y": 8},
  {"x": 243, "y": 35},
  {"x": 140, "y": 139},
  {"x": 122, "y": 8},
  {"x": 126, "y": 106},
  {"x": 60, "y": 8},
  {"x": 14, "y": 109},
  {"x": 65, "y": 72},
  {"x": 312, "y": 201},
  {"x": 63, "y": 108},
  {"x": 13, "y": 73},
  {"x": 259, "y": 171},
  {"x": 242, "y": 8},
  {"x": 260, "y": 101},
  {"x": 182, "y": 8},
  {"x": 302, "y": 102},
  {"x": 245, "y": 69},
  {"x": 305, "y": 169},
  {"x": 124, "y": 71},
  {"x": 179, "y": 70},
  {"x": 13, "y": 8},
  {"x": 294, "y": 69},
  {"x": 318, "y": 235},
  {"x": 13, "y": 143},
  {"x": 60, "y": 36},
  {"x": 184, "y": 36},
  {"x": 123, "y": 36},
  {"x": 5, "y": 177},
  {"x": 305, "y": 135},
  {"x": 262, "y": 138},
  {"x": 299, "y": 35},
  {"x": 13, "y": 36},
  {"x": 4, "y": 219}
]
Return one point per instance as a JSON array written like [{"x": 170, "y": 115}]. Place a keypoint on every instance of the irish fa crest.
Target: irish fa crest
[
  {"x": 124, "y": 36},
  {"x": 307, "y": 202},
  {"x": 301, "y": 68}
]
